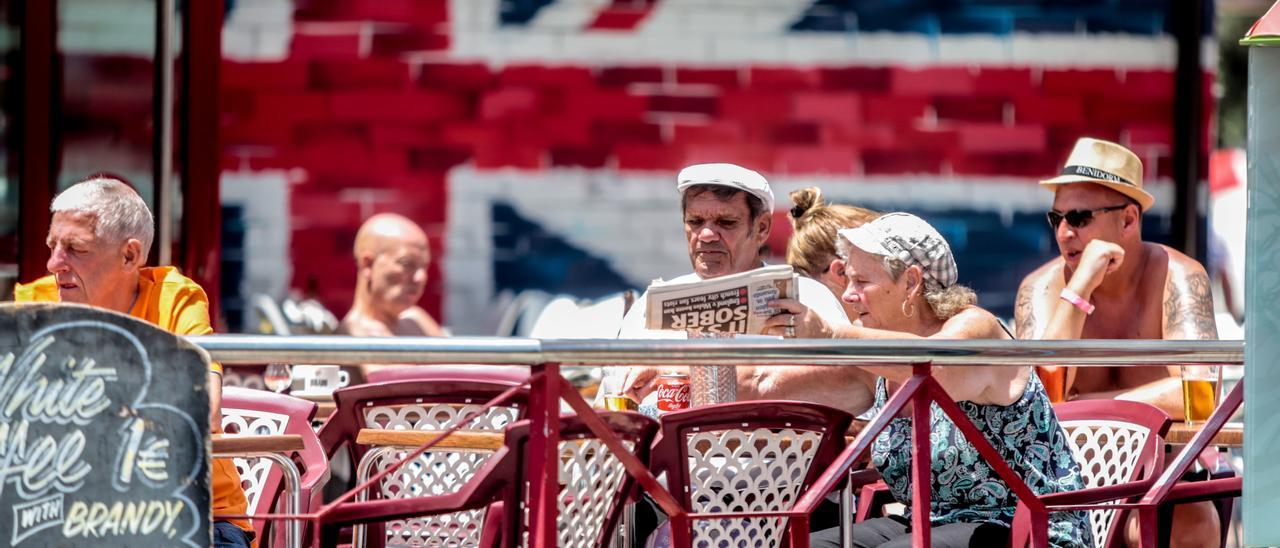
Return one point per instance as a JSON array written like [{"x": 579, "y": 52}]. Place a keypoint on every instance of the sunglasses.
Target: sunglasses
[{"x": 1079, "y": 218}]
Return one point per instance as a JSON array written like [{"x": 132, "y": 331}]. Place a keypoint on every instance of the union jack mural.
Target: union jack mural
[{"x": 537, "y": 140}]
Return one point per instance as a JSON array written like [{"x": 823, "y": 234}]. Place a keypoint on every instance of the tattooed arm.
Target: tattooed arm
[
  {"x": 1024, "y": 310},
  {"x": 1187, "y": 314},
  {"x": 1031, "y": 312},
  {"x": 1188, "y": 303}
]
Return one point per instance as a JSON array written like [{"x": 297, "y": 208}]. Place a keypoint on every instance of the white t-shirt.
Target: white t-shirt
[{"x": 813, "y": 294}]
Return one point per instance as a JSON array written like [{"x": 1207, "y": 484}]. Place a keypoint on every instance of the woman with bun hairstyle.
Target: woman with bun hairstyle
[{"x": 812, "y": 248}]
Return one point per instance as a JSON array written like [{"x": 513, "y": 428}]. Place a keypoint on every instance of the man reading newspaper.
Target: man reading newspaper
[{"x": 727, "y": 217}]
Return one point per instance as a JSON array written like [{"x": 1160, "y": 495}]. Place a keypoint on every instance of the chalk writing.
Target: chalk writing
[
  {"x": 98, "y": 519},
  {"x": 98, "y": 443},
  {"x": 35, "y": 516}
]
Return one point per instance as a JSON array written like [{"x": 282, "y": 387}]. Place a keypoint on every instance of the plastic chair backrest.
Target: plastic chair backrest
[
  {"x": 258, "y": 412},
  {"x": 1115, "y": 442},
  {"x": 593, "y": 483},
  {"x": 424, "y": 398},
  {"x": 746, "y": 457},
  {"x": 593, "y": 486}
]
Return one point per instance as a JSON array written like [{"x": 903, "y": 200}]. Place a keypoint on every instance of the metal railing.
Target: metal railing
[
  {"x": 921, "y": 391},
  {"x": 258, "y": 349}
]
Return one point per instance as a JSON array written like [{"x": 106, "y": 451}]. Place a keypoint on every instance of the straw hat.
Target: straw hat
[{"x": 1107, "y": 164}]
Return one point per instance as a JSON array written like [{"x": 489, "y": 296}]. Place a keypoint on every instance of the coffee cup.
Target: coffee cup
[{"x": 318, "y": 379}]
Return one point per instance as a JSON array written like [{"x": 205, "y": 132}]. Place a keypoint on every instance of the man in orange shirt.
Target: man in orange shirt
[{"x": 98, "y": 243}]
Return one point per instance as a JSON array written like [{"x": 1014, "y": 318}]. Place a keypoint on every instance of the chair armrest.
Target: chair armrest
[
  {"x": 872, "y": 498},
  {"x": 866, "y": 476},
  {"x": 1098, "y": 495},
  {"x": 247, "y": 444},
  {"x": 314, "y": 477},
  {"x": 1186, "y": 491},
  {"x": 1194, "y": 491},
  {"x": 371, "y": 511},
  {"x": 462, "y": 439}
]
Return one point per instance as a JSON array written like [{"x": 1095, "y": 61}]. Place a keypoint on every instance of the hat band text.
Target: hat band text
[{"x": 1095, "y": 173}]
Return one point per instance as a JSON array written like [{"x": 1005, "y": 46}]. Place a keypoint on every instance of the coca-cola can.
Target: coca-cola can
[{"x": 673, "y": 392}]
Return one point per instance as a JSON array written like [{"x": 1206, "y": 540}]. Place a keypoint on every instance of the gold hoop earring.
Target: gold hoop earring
[{"x": 904, "y": 309}]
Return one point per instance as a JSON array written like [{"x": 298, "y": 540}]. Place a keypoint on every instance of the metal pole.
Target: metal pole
[
  {"x": 1188, "y": 128},
  {"x": 199, "y": 149},
  {"x": 846, "y": 513},
  {"x": 162, "y": 142},
  {"x": 543, "y": 472},
  {"x": 257, "y": 349},
  {"x": 37, "y": 159},
  {"x": 921, "y": 462},
  {"x": 292, "y": 490}
]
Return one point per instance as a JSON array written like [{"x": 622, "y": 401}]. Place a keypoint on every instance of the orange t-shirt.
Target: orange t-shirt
[{"x": 178, "y": 305}]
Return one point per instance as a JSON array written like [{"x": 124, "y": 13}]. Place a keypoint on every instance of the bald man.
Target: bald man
[{"x": 392, "y": 257}]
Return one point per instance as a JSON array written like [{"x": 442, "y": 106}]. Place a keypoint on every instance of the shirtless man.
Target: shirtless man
[
  {"x": 392, "y": 258},
  {"x": 1109, "y": 284}
]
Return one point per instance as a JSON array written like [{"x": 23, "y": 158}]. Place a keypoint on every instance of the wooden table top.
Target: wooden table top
[
  {"x": 462, "y": 439},
  {"x": 236, "y": 444},
  {"x": 1231, "y": 435}
]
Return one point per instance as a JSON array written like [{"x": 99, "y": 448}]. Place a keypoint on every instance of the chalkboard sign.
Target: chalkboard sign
[{"x": 103, "y": 431}]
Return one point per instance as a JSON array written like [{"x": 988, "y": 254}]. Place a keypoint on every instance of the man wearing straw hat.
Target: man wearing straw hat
[{"x": 1109, "y": 284}]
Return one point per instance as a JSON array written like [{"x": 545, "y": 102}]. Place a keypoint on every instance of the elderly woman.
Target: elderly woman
[{"x": 901, "y": 284}]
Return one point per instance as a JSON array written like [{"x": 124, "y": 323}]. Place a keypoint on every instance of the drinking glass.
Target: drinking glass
[
  {"x": 1200, "y": 385},
  {"x": 710, "y": 384},
  {"x": 278, "y": 377}
]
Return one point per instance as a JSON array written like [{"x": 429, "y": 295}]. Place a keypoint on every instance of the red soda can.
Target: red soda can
[{"x": 673, "y": 392}]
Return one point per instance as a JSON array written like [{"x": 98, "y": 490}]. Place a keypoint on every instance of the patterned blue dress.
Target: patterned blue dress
[{"x": 965, "y": 488}]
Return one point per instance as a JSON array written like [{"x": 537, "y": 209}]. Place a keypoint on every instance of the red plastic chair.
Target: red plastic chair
[
  {"x": 422, "y": 398},
  {"x": 746, "y": 457},
  {"x": 593, "y": 487},
  {"x": 246, "y": 411},
  {"x": 1116, "y": 443}
]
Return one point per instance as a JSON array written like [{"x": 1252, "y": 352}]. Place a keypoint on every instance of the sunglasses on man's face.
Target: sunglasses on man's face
[{"x": 1079, "y": 218}]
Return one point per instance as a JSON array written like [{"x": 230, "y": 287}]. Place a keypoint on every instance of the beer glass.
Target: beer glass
[
  {"x": 277, "y": 377},
  {"x": 611, "y": 390},
  {"x": 1200, "y": 386}
]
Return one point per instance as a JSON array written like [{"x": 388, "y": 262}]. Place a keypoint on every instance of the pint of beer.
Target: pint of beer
[
  {"x": 1200, "y": 392},
  {"x": 618, "y": 402}
]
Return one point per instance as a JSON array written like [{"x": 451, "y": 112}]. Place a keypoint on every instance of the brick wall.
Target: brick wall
[{"x": 376, "y": 102}]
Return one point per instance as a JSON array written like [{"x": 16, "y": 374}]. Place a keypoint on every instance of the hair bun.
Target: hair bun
[{"x": 805, "y": 200}]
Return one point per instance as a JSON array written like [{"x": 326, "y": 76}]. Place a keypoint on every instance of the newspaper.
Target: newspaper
[{"x": 734, "y": 304}]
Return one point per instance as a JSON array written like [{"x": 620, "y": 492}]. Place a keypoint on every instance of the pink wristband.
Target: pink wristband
[{"x": 1076, "y": 300}]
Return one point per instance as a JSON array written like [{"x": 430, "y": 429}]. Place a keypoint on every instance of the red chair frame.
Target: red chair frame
[
  {"x": 671, "y": 451},
  {"x": 313, "y": 461},
  {"x": 503, "y": 478},
  {"x": 1149, "y": 465},
  {"x": 415, "y": 385},
  {"x": 548, "y": 387},
  {"x": 1166, "y": 490}
]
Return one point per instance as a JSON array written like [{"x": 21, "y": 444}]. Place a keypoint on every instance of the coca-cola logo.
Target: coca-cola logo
[{"x": 676, "y": 393}]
